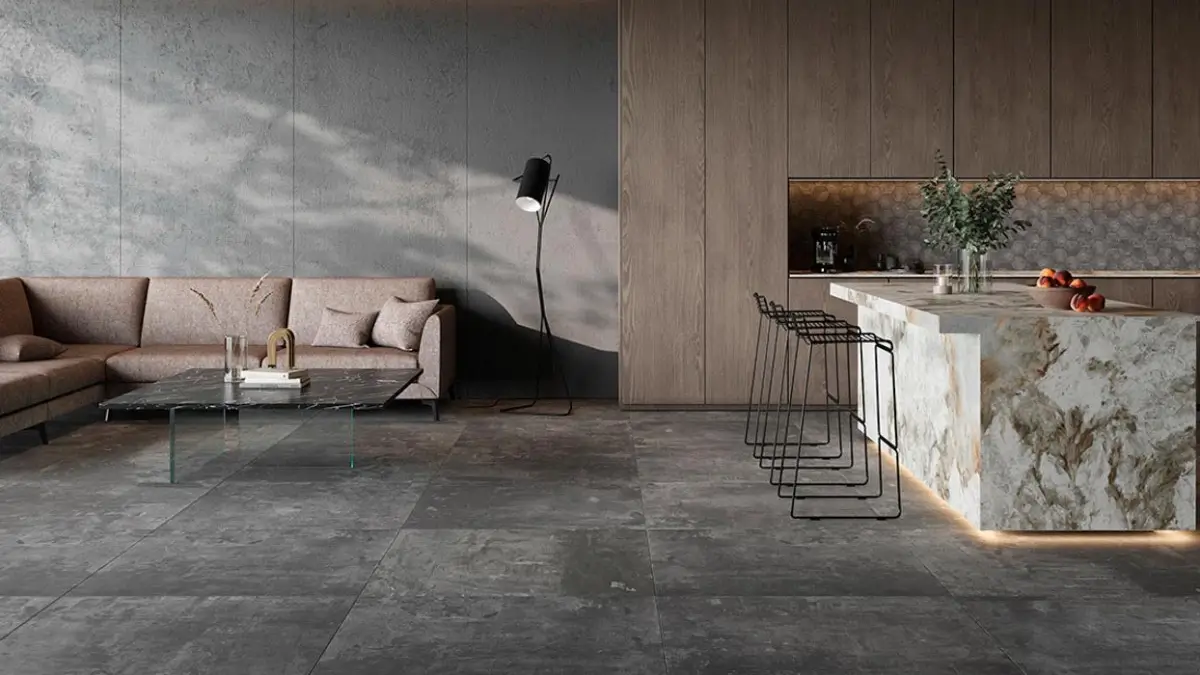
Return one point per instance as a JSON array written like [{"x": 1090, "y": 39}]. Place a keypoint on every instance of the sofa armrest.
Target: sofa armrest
[{"x": 437, "y": 354}]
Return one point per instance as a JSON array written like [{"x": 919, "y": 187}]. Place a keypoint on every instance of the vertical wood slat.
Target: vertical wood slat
[
  {"x": 1100, "y": 89},
  {"x": 829, "y": 88},
  {"x": 662, "y": 202},
  {"x": 1176, "y": 89},
  {"x": 1002, "y": 87},
  {"x": 912, "y": 86},
  {"x": 746, "y": 183}
]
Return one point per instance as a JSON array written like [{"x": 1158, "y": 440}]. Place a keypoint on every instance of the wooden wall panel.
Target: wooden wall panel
[
  {"x": 829, "y": 88},
  {"x": 912, "y": 76},
  {"x": 814, "y": 294},
  {"x": 1136, "y": 291},
  {"x": 1176, "y": 89},
  {"x": 1182, "y": 295},
  {"x": 746, "y": 185},
  {"x": 1002, "y": 87},
  {"x": 662, "y": 201},
  {"x": 1100, "y": 86}
]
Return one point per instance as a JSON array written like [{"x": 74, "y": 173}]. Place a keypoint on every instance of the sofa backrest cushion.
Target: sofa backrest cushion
[
  {"x": 176, "y": 315},
  {"x": 87, "y": 310},
  {"x": 310, "y": 297},
  {"x": 15, "y": 318}
]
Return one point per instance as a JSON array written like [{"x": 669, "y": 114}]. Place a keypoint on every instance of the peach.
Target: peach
[
  {"x": 1063, "y": 277},
  {"x": 1047, "y": 272},
  {"x": 1079, "y": 303},
  {"x": 1078, "y": 283},
  {"x": 1046, "y": 282},
  {"x": 1095, "y": 302}
]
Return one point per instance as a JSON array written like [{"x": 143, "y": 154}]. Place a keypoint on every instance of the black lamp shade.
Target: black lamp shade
[{"x": 534, "y": 182}]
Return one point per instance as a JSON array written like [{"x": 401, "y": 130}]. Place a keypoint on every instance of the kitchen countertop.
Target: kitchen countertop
[
  {"x": 1002, "y": 274},
  {"x": 961, "y": 313}
]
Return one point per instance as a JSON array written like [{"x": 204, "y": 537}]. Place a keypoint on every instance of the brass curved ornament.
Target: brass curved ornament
[{"x": 289, "y": 343}]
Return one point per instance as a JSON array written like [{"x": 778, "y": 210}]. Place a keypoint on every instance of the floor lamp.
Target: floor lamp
[{"x": 534, "y": 195}]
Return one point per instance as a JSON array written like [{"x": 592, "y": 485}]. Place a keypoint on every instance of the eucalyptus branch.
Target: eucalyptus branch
[{"x": 974, "y": 220}]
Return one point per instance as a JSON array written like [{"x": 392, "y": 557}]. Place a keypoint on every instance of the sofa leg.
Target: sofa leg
[
  {"x": 434, "y": 405},
  {"x": 107, "y": 413},
  {"x": 43, "y": 433}
]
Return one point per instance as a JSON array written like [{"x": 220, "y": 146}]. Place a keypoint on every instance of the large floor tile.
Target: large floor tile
[
  {"x": 921, "y": 636},
  {"x": 59, "y": 512},
  {"x": 798, "y": 562},
  {"x": 736, "y": 505},
  {"x": 500, "y": 504},
  {"x": 215, "y": 636},
  {"x": 579, "y": 563},
  {"x": 16, "y": 610},
  {"x": 591, "y": 453},
  {"x": 376, "y": 441},
  {"x": 275, "y": 498},
  {"x": 1138, "y": 637},
  {"x": 53, "y": 569},
  {"x": 296, "y": 562},
  {"x": 434, "y": 634}
]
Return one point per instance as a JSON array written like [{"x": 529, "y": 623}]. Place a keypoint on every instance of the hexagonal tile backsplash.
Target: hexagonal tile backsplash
[{"x": 1125, "y": 225}]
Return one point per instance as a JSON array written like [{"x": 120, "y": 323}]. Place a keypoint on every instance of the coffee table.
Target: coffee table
[{"x": 201, "y": 389}]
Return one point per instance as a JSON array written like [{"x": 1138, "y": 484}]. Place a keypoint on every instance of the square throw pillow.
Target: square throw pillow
[
  {"x": 28, "y": 348},
  {"x": 344, "y": 329},
  {"x": 400, "y": 323}
]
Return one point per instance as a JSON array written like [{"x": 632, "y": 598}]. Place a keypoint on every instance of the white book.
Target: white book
[
  {"x": 274, "y": 374},
  {"x": 275, "y": 384}
]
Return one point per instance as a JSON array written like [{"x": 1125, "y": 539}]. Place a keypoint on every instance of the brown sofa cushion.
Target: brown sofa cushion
[
  {"x": 401, "y": 323},
  {"x": 21, "y": 388},
  {"x": 351, "y": 357},
  {"x": 87, "y": 310},
  {"x": 177, "y": 316},
  {"x": 15, "y": 318},
  {"x": 14, "y": 348},
  {"x": 310, "y": 297},
  {"x": 44, "y": 380},
  {"x": 95, "y": 352},
  {"x": 344, "y": 329},
  {"x": 157, "y": 362}
]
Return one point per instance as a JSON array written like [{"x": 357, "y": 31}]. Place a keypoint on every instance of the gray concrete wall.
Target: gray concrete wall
[{"x": 312, "y": 138}]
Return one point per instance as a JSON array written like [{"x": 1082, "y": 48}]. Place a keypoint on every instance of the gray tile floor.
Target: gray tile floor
[{"x": 603, "y": 543}]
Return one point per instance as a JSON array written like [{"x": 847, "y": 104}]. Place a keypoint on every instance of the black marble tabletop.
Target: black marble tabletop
[{"x": 328, "y": 389}]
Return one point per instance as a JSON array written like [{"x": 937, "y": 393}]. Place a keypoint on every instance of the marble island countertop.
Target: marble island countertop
[
  {"x": 919, "y": 306},
  {"x": 1001, "y": 274}
]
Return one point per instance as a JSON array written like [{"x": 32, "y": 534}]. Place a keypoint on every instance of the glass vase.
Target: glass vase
[
  {"x": 975, "y": 273},
  {"x": 235, "y": 357}
]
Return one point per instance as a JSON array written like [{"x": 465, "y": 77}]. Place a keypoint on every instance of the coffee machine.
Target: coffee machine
[{"x": 825, "y": 249}]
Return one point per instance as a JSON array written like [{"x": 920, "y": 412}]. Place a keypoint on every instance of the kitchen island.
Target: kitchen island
[{"x": 1030, "y": 419}]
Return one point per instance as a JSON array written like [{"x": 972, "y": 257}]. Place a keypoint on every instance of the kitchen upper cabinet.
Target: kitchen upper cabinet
[
  {"x": 745, "y": 241},
  {"x": 1101, "y": 89},
  {"x": 1176, "y": 89},
  {"x": 912, "y": 86},
  {"x": 829, "y": 88},
  {"x": 1002, "y": 87}
]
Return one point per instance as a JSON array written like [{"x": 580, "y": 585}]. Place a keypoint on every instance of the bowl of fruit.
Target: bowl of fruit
[{"x": 1059, "y": 289}]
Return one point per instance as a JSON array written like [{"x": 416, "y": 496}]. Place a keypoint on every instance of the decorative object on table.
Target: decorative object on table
[
  {"x": 943, "y": 279},
  {"x": 235, "y": 335},
  {"x": 344, "y": 329},
  {"x": 271, "y": 376},
  {"x": 400, "y": 323},
  {"x": 534, "y": 194},
  {"x": 24, "y": 348},
  {"x": 1059, "y": 289},
  {"x": 972, "y": 222},
  {"x": 825, "y": 249}
]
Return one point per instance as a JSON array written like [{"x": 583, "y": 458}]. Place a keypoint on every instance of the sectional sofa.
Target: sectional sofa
[{"x": 129, "y": 331}]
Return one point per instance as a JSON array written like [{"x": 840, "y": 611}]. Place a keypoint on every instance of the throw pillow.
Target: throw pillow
[
  {"x": 400, "y": 323},
  {"x": 28, "y": 348},
  {"x": 344, "y": 329}
]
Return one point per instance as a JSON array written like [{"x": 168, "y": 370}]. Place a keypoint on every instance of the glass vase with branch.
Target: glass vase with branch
[
  {"x": 970, "y": 222},
  {"x": 235, "y": 332}
]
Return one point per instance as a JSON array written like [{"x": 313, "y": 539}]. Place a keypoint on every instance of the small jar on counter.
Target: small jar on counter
[{"x": 943, "y": 279}]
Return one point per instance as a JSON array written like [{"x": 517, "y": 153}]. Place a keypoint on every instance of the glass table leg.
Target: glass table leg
[
  {"x": 351, "y": 437},
  {"x": 171, "y": 444}
]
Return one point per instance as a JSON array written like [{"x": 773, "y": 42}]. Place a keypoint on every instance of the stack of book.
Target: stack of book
[{"x": 274, "y": 378}]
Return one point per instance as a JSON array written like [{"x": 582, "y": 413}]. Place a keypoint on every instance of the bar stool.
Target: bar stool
[{"x": 804, "y": 477}]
